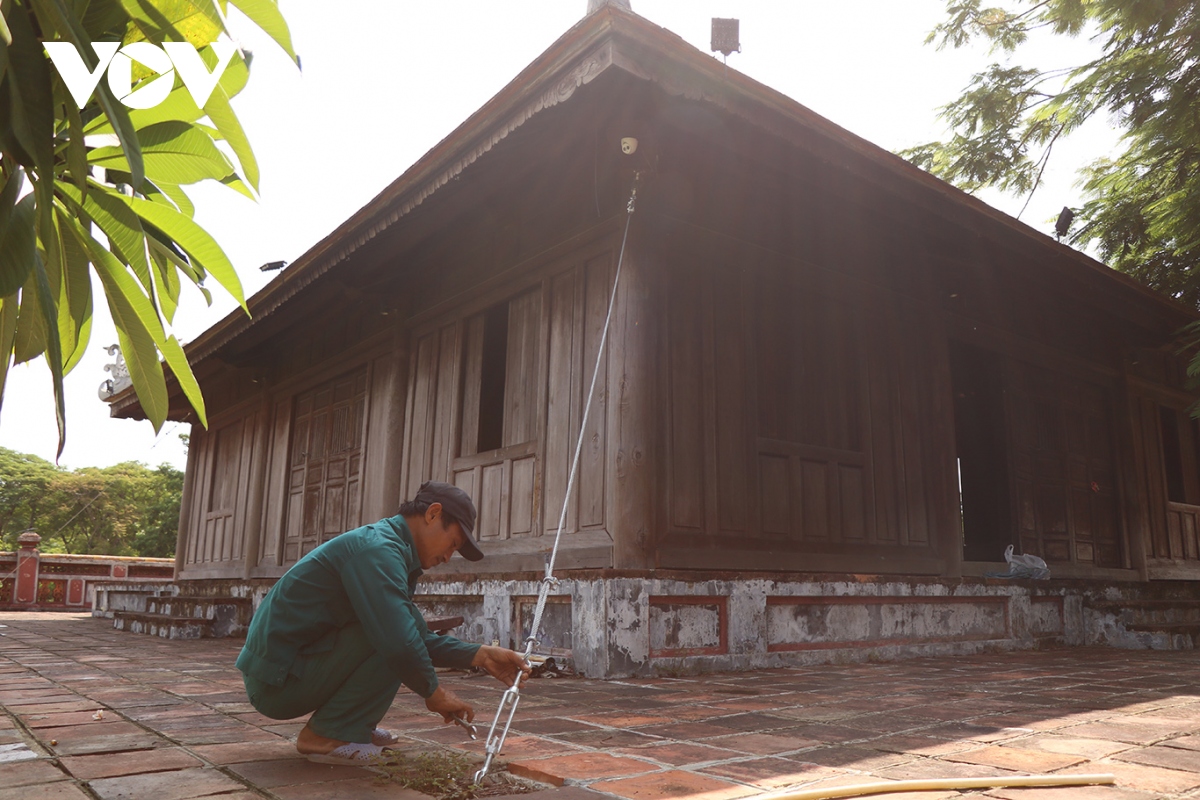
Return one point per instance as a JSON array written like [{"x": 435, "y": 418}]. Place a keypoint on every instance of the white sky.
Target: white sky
[{"x": 385, "y": 80}]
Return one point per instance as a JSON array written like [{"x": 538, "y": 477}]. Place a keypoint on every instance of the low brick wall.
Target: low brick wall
[{"x": 38, "y": 581}]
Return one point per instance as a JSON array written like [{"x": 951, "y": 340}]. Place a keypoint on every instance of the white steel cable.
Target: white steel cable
[{"x": 512, "y": 695}]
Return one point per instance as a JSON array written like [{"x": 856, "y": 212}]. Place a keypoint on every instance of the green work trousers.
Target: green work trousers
[{"x": 348, "y": 689}]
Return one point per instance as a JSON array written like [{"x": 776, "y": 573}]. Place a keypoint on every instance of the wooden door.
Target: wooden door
[
  {"x": 1063, "y": 467},
  {"x": 325, "y": 472}
]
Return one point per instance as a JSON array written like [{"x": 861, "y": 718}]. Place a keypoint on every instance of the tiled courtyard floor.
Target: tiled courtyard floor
[{"x": 91, "y": 712}]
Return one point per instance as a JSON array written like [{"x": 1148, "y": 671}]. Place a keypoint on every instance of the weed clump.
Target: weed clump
[{"x": 445, "y": 775}]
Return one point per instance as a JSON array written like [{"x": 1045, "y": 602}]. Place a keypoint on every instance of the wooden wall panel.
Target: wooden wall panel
[
  {"x": 593, "y": 474},
  {"x": 421, "y": 421},
  {"x": 564, "y": 395},
  {"x": 445, "y": 400},
  {"x": 686, "y": 403},
  {"x": 523, "y": 378},
  {"x": 732, "y": 441}
]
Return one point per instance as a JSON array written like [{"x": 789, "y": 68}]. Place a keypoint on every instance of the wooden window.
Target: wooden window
[
  {"x": 501, "y": 375},
  {"x": 1181, "y": 462}
]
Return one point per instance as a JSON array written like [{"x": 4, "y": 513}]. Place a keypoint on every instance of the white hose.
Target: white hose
[{"x": 933, "y": 784}]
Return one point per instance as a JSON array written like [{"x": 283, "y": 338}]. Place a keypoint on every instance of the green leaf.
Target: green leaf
[
  {"x": 74, "y": 296},
  {"x": 30, "y": 341},
  {"x": 76, "y": 148},
  {"x": 32, "y": 98},
  {"x": 166, "y": 283},
  {"x": 9, "y": 309},
  {"x": 106, "y": 207},
  {"x": 221, "y": 113},
  {"x": 178, "y": 197},
  {"x": 195, "y": 21},
  {"x": 18, "y": 239},
  {"x": 141, "y": 358},
  {"x": 194, "y": 240},
  {"x": 174, "y": 152},
  {"x": 69, "y": 26},
  {"x": 265, "y": 14},
  {"x": 49, "y": 313},
  {"x": 177, "y": 361},
  {"x": 179, "y": 105},
  {"x": 138, "y": 327}
]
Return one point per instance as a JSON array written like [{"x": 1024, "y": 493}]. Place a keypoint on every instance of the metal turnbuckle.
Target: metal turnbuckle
[{"x": 495, "y": 740}]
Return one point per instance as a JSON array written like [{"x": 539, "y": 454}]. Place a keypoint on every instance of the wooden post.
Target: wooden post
[
  {"x": 190, "y": 487},
  {"x": 632, "y": 384},
  {"x": 254, "y": 523}
]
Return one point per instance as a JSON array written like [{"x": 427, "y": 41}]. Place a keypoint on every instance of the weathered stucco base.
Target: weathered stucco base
[{"x": 621, "y": 626}]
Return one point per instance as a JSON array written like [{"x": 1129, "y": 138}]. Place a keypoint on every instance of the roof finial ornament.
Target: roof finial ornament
[{"x": 596, "y": 5}]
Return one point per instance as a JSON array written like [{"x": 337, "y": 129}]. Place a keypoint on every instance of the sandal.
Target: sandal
[
  {"x": 352, "y": 754},
  {"x": 383, "y": 737}
]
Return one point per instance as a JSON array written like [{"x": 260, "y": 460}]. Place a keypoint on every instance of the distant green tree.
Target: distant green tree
[
  {"x": 126, "y": 509},
  {"x": 1142, "y": 208},
  {"x": 23, "y": 501}
]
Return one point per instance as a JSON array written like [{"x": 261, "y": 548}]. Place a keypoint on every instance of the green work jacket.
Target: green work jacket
[{"x": 366, "y": 575}]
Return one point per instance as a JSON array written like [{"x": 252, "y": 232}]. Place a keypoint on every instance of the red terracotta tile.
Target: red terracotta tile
[
  {"x": 674, "y": 784},
  {"x": 1140, "y": 777},
  {"x": 72, "y": 718},
  {"x": 343, "y": 790},
  {"x": 238, "y": 752},
  {"x": 577, "y": 766},
  {"x": 1015, "y": 758},
  {"x": 24, "y": 773},
  {"x": 679, "y": 753},
  {"x": 52, "y": 791},
  {"x": 1184, "y": 742},
  {"x": 1168, "y": 757},
  {"x": 294, "y": 770},
  {"x": 770, "y": 773},
  {"x": 111, "y": 765},
  {"x": 177, "y": 785},
  {"x": 763, "y": 744}
]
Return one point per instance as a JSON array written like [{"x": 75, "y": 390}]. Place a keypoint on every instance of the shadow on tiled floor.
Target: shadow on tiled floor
[{"x": 92, "y": 712}]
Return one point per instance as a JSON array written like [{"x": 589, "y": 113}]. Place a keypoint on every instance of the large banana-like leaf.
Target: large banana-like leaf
[
  {"x": 194, "y": 240},
  {"x": 166, "y": 283},
  {"x": 174, "y": 152}
]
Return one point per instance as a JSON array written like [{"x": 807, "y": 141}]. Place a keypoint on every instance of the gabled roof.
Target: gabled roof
[{"x": 615, "y": 38}]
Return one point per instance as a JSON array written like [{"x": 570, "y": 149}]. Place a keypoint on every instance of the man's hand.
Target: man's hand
[
  {"x": 445, "y": 702},
  {"x": 501, "y": 663}
]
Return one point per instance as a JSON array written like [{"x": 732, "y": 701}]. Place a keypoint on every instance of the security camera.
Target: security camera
[{"x": 629, "y": 145}]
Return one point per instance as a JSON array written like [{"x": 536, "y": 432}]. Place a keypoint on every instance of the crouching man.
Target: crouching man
[{"x": 338, "y": 634}]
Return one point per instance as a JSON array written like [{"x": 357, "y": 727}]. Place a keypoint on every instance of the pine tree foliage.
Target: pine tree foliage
[
  {"x": 99, "y": 190},
  {"x": 1142, "y": 208}
]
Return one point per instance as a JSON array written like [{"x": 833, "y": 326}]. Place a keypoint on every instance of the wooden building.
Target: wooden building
[{"x": 821, "y": 358}]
